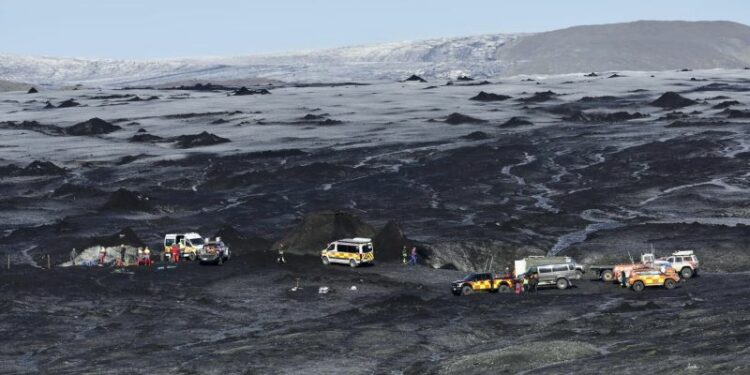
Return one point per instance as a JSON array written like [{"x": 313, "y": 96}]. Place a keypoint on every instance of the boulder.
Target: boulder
[
  {"x": 32, "y": 90},
  {"x": 319, "y": 228}
]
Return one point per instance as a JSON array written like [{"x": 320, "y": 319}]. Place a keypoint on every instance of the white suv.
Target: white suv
[{"x": 684, "y": 262}]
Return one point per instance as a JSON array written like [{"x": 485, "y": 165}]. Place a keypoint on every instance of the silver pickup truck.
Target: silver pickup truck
[{"x": 214, "y": 252}]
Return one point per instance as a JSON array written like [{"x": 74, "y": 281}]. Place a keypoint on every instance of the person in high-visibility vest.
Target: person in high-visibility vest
[
  {"x": 147, "y": 256},
  {"x": 102, "y": 255},
  {"x": 525, "y": 283}
]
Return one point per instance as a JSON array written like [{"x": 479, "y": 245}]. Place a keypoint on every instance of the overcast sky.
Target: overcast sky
[{"x": 180, "y": 28}]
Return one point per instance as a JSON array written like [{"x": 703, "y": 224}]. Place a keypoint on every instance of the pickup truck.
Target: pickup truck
[
  {"x": 482, "y": 282},
  {"x": 214, "y": 252}
]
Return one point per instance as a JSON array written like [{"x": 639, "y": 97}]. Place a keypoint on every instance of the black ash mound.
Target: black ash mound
[
  {"x": 199, "y": 140},
  {"x": 94, "y": 126},
  {"x": 33, "y": 126},
  {"x": 319, "y": 228},
  {"x": 592, "y": 117},
  {"x": 126, "y": 200},
  {"x": 456, "y": 118},
  {"x": 68, "y": 103},
  {"x": 145, "y": 138},
  {"x": 390, "y": 241},
  {"x": 516, "y": 121},
  {"x": 240, "y": 243},
  {"x": 476, "y": 136},
  {"x": 672, "y": 100},
  {"x": 414, "y": 78},
  {"x": 489, "y": 97},
  {"x": 245, "y": 91},
  {"x": 35, "y": 168},
  {"x": 540, "y": 97},
  {"x": 726, "y": 104}
]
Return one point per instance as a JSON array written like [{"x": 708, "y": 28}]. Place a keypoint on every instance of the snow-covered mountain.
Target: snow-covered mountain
[{"x": 643, "y": 45}]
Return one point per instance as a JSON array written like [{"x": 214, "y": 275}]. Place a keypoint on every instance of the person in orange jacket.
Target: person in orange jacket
[{"x": 175, "y": 253}]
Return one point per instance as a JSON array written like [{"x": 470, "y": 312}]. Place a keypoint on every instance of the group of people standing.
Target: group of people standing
[
  {"x": 143, "y": 256},
  {"x": 526, "y": 283}
]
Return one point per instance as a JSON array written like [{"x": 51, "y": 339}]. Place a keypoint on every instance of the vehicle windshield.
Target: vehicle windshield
[
  {"x": 196, "y": 241},
  {"x": 470, "y": 277},
  {"x": 366, "y": 248}
]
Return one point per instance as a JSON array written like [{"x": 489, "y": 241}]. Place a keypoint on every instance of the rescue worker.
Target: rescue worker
[
  {"x": 623, "y": 280},
  {"x": 139, "y": 256},
  {"x": 525, "y": 283},
  {"x": 413, "y": 259},
  {"x": 534, "y": 282},
  {"x": 280, "y": 259},
  {"x": 122, "y": 253},
  {"x": 518, "y": 287},
  {"x": 175, "y": 253},
  {"x": 147, "y": 256},
  {"x": 403, "y": 255},
  {"x": 102, "y": 255},
  {"x": 73, "y": 256},
  {"x": 506, "y": 274}
]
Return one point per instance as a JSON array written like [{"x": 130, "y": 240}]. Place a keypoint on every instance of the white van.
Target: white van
[
  {"x": 190, "y": 244},
  {"x": 351, "y": 251}
]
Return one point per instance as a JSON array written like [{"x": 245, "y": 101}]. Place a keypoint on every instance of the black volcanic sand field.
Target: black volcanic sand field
[
  {"x": 243, "y": 318},
  {"x": 591, "y": 167}
]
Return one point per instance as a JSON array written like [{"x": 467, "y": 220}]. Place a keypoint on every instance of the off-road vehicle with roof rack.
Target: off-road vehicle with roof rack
[{"x": 685, "y": 262}]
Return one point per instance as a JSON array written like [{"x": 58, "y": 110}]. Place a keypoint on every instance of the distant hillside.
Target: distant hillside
[
  {"x": 642, "y": 45},
  {"x": 13, "y": 86}
]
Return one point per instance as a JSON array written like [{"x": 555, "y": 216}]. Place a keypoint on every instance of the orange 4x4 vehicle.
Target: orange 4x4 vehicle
[
  {"x": 482, "y": 282},
  {"x": 640, "y": 278}
]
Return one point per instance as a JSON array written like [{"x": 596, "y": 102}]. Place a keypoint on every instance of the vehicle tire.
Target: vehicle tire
[
  {"x": 562, "y": 284},
  {"x": 504, "y": 288},
  {"x": 466, "y": 290},
  {"x": 638, "y": 286},
  {"x": 326, "y": 261},
  {"x": 686, "y": 272},
  {"x": 669, "y": 284},
  {"x": 352, "y": 263},
  {"x": 192, "y": 257},
  {"x": 608, "y": 275}
]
